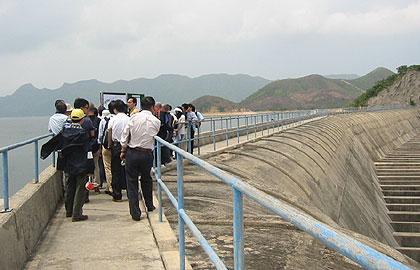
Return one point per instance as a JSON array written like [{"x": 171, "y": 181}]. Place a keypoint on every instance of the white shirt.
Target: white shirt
[
  {"x": 140, "y": 130},
  {"x": 56, "y": 122},
  {"x": 117, "y": 124},
  {"x": 101, "y": 130},
  {"x": 181, "y": 124}
]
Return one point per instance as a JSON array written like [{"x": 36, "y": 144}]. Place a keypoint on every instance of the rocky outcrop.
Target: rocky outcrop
[{"x": 405, "y": 91}]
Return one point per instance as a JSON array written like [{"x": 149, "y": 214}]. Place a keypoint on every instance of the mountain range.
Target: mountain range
[
  {"x": 214, "y": 92},
  {"x": 173, "y": 89}
]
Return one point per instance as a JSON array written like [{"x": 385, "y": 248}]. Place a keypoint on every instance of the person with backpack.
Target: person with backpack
[{"x": 103, "y": 141}]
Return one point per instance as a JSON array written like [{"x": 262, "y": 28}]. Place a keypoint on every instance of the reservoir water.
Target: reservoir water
[{"x": 21, "y": 160}]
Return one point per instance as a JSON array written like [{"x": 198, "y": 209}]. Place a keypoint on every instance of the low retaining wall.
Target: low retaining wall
[{"x": 33, "y": 207}]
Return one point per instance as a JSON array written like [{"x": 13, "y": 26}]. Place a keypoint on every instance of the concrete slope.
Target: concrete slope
[{"x": 325, "y": 168}]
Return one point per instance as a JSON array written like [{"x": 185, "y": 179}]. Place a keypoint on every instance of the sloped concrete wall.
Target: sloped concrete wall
[
  {"x": 324, "y": 168},
  {"x": 33, "y": 206}
]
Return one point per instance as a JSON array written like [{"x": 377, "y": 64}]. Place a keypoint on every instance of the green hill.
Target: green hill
[
  {"x": 369, "y": 80},
  {"x": 397, "y": 90},
  {"x": 212, "y": 104},
  {"x": 313, "y": 91}
]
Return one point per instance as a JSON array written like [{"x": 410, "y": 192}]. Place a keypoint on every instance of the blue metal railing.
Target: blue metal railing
[
  {"x": 4, "y": 151},
  {"x": 365, "y": 256}
]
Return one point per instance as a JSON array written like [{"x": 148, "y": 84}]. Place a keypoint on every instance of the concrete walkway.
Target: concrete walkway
[{"x": 109, "y": 239}]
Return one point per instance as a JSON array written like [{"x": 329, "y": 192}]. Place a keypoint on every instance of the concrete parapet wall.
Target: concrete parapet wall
[{"x": 33, "y": 206}]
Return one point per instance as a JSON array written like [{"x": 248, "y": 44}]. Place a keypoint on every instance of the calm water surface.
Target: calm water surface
[{"x": 21, "y": 160}]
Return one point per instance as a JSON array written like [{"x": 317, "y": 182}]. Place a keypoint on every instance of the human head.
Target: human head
[
  {"x": 60, "y": 108},
  {"x": 111, "y": 107},
  {"x": 158, "y": 106},
  {"x": 81, "y": 103},
  {"x": 58, "y": 101},
  {"x": 92, "y": 110},
  {"x": 69, "y": 109},
  {"x": 131, "y": 102},
  {"x": 166, "y": 107},
  {"x": 77, "y": 115},
  {"x": 105, "y": 113},
  {"x": 119, "y": 106},
  {"x": 178, "y": 112},
  {"x": 192, "y": 108},
  {"x": 148, "y": 103},
  {"x": 184, "y": 107}
]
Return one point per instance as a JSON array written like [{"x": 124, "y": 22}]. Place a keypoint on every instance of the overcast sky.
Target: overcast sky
[{"x": 50, "y": 42}]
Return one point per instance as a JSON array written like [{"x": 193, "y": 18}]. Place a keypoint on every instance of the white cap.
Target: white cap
[{"x": 105, "y": 113}]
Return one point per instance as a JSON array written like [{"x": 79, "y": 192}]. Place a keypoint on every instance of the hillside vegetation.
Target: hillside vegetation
[
  {"x": 313, "y": 91},
  {"x": 389, "y": 82},
  {"x": 212, "y": 104}
]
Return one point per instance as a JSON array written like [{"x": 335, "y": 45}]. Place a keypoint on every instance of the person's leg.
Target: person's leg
[
  {"x": 69, "y": 194},
  {"x": 106, "y": 155},
  {"x": 132, "y": 175},
  {"x": 96, "y": 174},
  {"x": 79, "y": 195},
  {"x": 146, "y": 162},
  {"x": 192, "y": 131},
  {"x": 116, "y": 174},
  {"x": 116, "y": 171}
]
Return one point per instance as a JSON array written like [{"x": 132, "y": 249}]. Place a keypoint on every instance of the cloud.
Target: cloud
[{"x": 50, "y": 42}]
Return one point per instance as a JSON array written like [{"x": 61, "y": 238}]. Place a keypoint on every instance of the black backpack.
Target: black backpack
[{"x": 105, "y": 136}]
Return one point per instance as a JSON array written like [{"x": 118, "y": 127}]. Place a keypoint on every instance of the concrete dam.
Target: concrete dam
[
  {"x": 358, "y": 173},
  {"x": 326, "y": 168}
]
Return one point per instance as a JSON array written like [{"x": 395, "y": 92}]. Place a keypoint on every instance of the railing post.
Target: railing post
[
  {"x": 227, "y": 132},
  {"x": 262, "y": 125},
  {"x": 181, "y": 224},
  {"x": 255, "y": 126},
  {"x": 5, "y": 184},
  {"x": 247, "y": 128},
  {"x": 238, "y": 230},
  {"x": 214, "y": 134},
  {"x": 198, "y": 139},
  {"x": 36, "y": 163},
  {"x": 158, "y": 161},
  {"x": 238, "y": 133}
]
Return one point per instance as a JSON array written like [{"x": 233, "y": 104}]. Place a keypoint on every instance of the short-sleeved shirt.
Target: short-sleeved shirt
[
  {"x": 87, "y": 125},
  {"x": 56, "y": 122},
  {"x": 117, "y": 124}
]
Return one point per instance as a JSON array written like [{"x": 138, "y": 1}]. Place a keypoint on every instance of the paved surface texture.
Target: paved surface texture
[{"x": 109, "y": 239}]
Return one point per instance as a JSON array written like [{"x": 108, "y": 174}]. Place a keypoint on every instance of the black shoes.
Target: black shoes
[
  {"x": 68, "y": 214},
  {"x": 150, "y": 209},
  {"x": 81, "y": 218},
  {"x": 136, "y": 219}
]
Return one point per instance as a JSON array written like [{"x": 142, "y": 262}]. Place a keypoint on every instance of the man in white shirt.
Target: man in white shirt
[
  {"x": 57, "y": 120},
  {"x": 116, "y": 126},
  {"x": 137, "y": 149}
]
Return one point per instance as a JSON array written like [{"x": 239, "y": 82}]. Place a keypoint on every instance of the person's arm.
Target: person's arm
[
  {"x": 125, "y": 136},
  {"x": 109, "y": 138}
]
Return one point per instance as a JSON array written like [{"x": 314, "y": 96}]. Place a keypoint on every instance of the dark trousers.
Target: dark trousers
[
  {"x": 118, "y": 173},
  {"x": 138, "y": 162},
  {"x": 75, "y": 194},
  {"x": 192, "y": 131}
]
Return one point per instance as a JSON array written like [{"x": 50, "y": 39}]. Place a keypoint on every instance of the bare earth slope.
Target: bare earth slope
[{"x": 404, "y": 90}]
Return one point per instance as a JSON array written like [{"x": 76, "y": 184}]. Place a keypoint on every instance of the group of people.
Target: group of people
[{"x": 117, "y": 141}]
